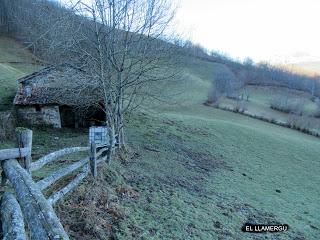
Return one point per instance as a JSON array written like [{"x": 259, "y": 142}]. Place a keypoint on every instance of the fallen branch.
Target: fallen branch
[{"x": 12, "y": 219}]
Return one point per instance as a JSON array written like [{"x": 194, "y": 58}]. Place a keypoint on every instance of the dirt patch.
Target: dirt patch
[{"x": 202, "y": 162}]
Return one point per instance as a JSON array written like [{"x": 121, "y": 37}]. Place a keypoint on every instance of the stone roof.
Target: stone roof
[
  {"x": 47, "y": 70},
  {"x": 44, "y": 87},
  {"x": 39, "y": 96}
]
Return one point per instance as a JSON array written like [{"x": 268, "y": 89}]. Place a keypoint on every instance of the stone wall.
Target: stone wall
[{"x": 42, "y": 115}]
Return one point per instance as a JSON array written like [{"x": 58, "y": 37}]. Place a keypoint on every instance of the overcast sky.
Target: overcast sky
[
  {"x": 261, "y": 29},
  {"x": 264, "y": 30}
]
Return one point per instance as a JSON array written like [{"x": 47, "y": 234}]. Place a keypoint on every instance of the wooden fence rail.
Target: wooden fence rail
[
  {"x": 30, "y": 202},
  {"x": 55, "y": 155},
  {"x": 59, "y": 194},
  {"x": 12, "y": 218},
  {"x": 14, "y": 153},
  {"x": 39, "y": 214}
]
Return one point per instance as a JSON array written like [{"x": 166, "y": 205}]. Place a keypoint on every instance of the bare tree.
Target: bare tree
[
  {"x": 225, "y": 83},
  {"x": 120, "y": 45},
  {"x": 123, "y": 47}
]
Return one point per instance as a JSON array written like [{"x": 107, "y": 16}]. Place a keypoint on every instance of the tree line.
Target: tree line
[{"x": 249, "y": 73}]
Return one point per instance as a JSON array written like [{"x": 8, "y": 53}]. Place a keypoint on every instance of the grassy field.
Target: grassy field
[
  {"x": 15, "y": 62},
  {"x": 261, "y": 97},
  {"x": 194, "y": 172}
]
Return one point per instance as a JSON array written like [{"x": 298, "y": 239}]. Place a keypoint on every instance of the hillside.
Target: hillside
[
  {"x": 196, "y": 172},
  {"x": 15, "y": 62}
]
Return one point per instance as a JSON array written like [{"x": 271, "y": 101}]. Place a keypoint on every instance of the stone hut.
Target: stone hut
[{"x": 38, "y": 103}]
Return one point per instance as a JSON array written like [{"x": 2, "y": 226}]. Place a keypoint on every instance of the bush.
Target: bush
[
  {"x": 225, "y": 84},
  {"x": 302, "y": 124},
  {"x": 240, "y": 106},
  {"x": 287, "y": 105},
  {"x": 213, "y": 97}
]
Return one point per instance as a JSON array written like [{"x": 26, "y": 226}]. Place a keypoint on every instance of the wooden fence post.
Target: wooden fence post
[
  {"x": 24, "y": 139},
  {"x": 93, "y": 159}
]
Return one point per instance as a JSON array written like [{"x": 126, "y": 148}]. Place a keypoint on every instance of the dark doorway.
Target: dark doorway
[
  {"x": 67, "y": 116},
  {"x": 96, "y": 117}
]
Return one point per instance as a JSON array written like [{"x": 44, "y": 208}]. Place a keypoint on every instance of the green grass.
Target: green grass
[
  {"x": 214, "y": 166},
  {"x": 200, "y": 172},
  {"x": 15, "y": 62},
  {"x": 214, "y": 170}
]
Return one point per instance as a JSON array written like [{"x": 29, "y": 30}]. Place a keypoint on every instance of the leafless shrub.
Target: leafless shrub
[
  {"x": 300, "y": 123},
  {"x": 225, "y": 84},
  {"x": 240, "y": 106},
  {"x": 213, "y": 97},
  {"x": 316, "y": 114},
  {"x": 287, "y": 105}
]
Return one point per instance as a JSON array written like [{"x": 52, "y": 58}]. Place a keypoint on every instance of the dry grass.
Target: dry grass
[{"x": 94, "y": 210}]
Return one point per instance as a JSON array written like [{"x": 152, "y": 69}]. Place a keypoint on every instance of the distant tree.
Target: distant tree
[
  {"x": 317, "y": 112},
  {"x": 248, "y": 62},
  {"x": 225, "y": 83},
  {"x": 287, "y": 104}
]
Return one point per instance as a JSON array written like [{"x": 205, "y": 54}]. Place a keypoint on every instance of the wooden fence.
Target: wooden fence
[{"x": 28, "y": 204}]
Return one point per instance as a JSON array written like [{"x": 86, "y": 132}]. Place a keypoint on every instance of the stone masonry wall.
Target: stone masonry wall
[{"x": 47, "y": 115}]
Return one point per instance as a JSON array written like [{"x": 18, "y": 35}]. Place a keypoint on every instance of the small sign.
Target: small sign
[
  {"x": 259, "y": 228},
  {"x": 98, "y": 135}
]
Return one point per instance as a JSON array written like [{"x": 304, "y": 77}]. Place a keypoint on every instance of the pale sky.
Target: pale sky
[{"x": 271, "y": 30}]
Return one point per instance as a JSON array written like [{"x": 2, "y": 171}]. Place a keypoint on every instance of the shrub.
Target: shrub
[
  {"x": 225, "y": 84},
  {"x": 213, "y": 97},
  {"x": 302, "y": 124},
  {"x": 287, "y": 105},
  {"x": 240, "y": 106}
]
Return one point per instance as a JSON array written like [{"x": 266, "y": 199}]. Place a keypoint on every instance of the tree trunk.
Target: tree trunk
[{"x": 111, "y": 144}]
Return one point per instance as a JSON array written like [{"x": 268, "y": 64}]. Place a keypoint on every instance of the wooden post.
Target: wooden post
[
  {"x": 24, "y": 140},
  {"x": 93, "y": 159}
]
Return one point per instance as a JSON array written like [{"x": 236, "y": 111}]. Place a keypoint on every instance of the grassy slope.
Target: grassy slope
[
  {"x": 218, "y": 167},
  {"x": 15, "y": 62},
  {"x": 202, "y": 172}
]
